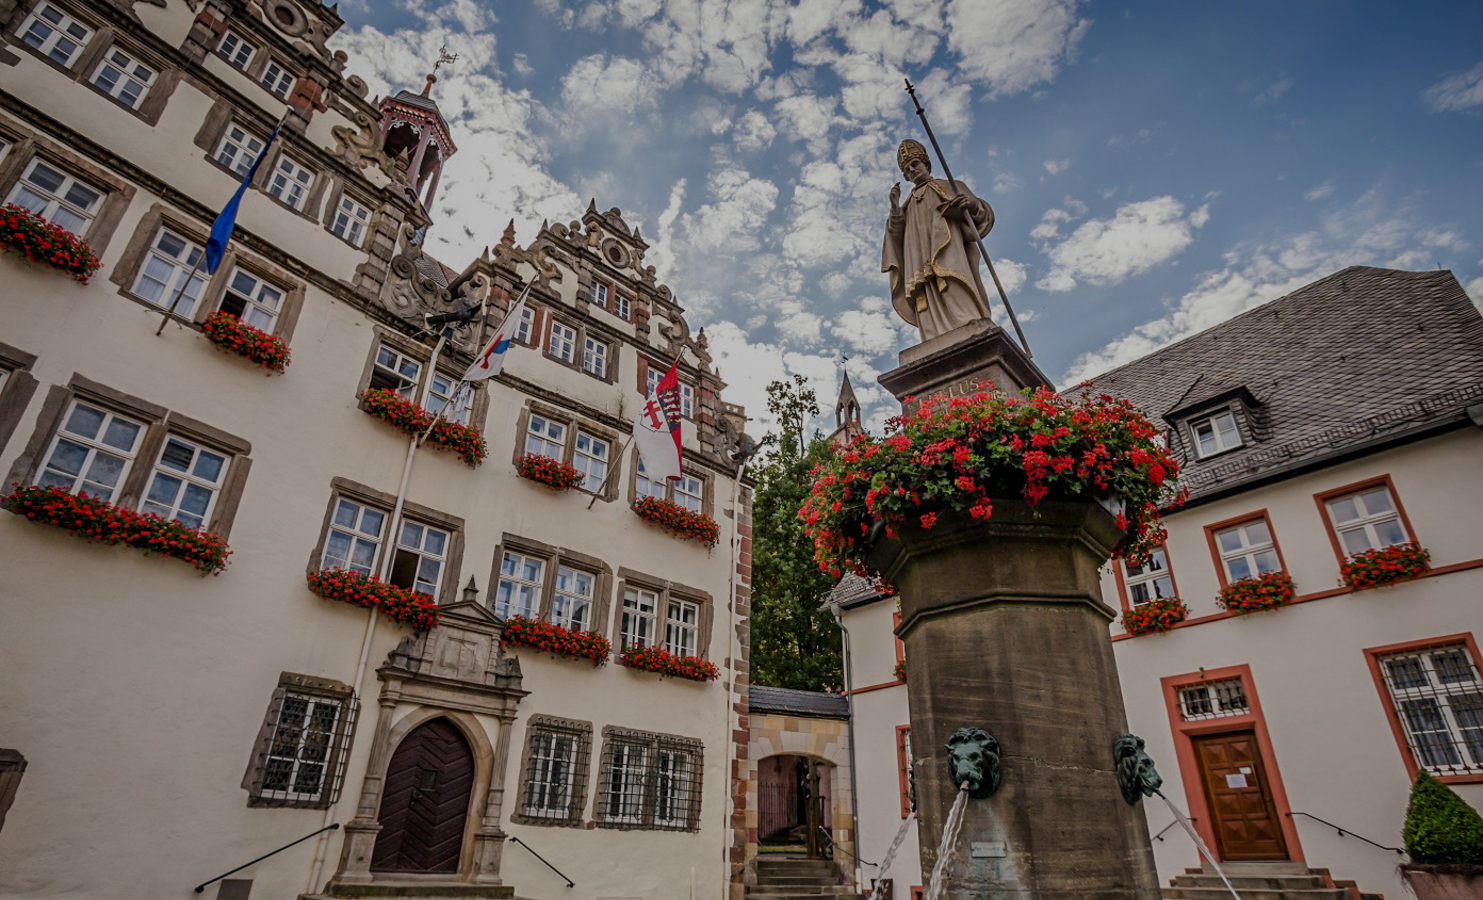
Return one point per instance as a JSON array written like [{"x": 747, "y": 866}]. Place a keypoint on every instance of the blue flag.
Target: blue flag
[{"x": 221, "y": 229}]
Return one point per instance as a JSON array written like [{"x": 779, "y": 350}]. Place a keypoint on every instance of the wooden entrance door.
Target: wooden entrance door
[
  {"x": 425, "y": 801},
  {"x": 1239, "y": 797}
]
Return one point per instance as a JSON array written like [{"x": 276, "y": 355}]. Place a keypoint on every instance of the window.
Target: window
[
  {"x": 351, "y": 221},
  {"x": 545, "y": 437},
  {"x": 563, "y": 342},
  {"x": 421, "y": 552},
  {"x": 520, "y": 580},
  {"x": 424, "y": 544},
  {"x": 170, "y": 271},
  {"x": 657, "y": 613},
  {"x": 571, "y": 603},
  {"x": 903, "y": 764},
  {"x": 238, "y": 149},
  {"x": 681, "y": 623},
  {"x": 394, "y": 371},
  {"x": 235, "y": 50},
  {"x": 1247, "y": 550},
  {"x": 687, "y": 490},
  {"x": 354, "y": 539},
  {"x": 54, "y": 34},
  {"x": 1366, "y": 519},
  {"x": 595, "y": 357},
  {"x": 290, "y": 183},
  {"x": 590, "y": 457},
  {"x": 186, "y": 481},
  {"x": 644, "y": 486},
  {"x": 597, "y": 294},
  {"x": 123, "y": 77},
  {"x": 687, "y": 393},
  {"x": 451, "y": 398},
  {"x": 621, "y": 306},
  {"x": 252, "y": 300},
  {"x": 649, "y": 781},
  {"x": 277, "y": 79},
  {"x": 1437, "y": 696},
  {"x": 1215, "y": 434},
  {"x": 526, "y": 327},
  {"x": 637, "y": 628},
  {"x": 57, "y": 197},
  {"x": 1149, "y": 581},
  {"x": 303, "y": 744},
  {"x": 554, "y": 772},
  {"x": 1214, "y": 700},
  {"x": 91, "y": 452}
]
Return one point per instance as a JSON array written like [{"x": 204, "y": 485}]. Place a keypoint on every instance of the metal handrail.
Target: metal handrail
[
  {"x": 516, "y": 840},
  {"x": 1160, "y": 835},
  {"x": 1343, "y": 832},
  {"x": 201, "y": 888},
  {"x": 833, "y": 846}
]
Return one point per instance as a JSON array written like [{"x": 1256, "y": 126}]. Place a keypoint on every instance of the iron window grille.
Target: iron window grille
[
  {"x": 553, "y": 789},
  {"x": 1214, "y": 700},
  {"x": 649, "y": 781},
  {"x": 304, "y": 744},
  {"x": 1437, "y": 695}
]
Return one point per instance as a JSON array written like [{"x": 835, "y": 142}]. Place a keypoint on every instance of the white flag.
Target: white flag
[
  {"x": 656, "y": 431},
  {"x": 488, "y": 363}
]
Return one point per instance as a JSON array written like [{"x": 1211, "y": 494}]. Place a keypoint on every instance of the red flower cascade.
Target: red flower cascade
[
  {"x": 663, "y": 662},
  {"x": 1155, "y": 616},
  {"x": 553, "y": 473},
  {"x": 900, "y": 670},
  {"x": 1387, "y": 565},
  {"x": 41, "y": 241},
  {"x": 369, "y": 592},
  {"x": 557, "y": 640},
  {"x": 676, "y": 519},
  {"x": 412, "y": 420},
  {"x": 1270, "y": 591},
  {"x": 232, "y": 335}
]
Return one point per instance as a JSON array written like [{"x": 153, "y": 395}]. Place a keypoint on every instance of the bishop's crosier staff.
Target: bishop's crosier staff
[{"x": 948, "y": 173}]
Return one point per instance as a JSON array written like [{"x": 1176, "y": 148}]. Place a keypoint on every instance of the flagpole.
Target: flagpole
[{"x": 170, "y": 311}]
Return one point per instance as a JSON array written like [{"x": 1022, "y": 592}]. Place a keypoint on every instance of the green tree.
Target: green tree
[{"x": 795, "y": 644}]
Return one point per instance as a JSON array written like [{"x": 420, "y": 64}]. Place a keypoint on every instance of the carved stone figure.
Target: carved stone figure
[
  {"x": 973, "y": 760},
  {"x": 1136, "y": 775},
  {"x": 929, "y": 248}
]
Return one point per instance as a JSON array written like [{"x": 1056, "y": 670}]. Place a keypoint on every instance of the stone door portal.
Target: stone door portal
[
  {"x": 1239, "y": 797},
  {"x": 425, "y": 802}
]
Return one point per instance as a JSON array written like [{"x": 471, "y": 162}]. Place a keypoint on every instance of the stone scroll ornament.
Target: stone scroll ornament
[
  {"x": 1136, "y": 776},
  {"x": 973, "y": 762}
]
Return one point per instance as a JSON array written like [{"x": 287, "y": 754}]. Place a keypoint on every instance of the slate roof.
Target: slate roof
[
  {"x": 1364, "y": 358},
  {"x": 788, "y": 702},
  {"x": 852, "y": 591}
]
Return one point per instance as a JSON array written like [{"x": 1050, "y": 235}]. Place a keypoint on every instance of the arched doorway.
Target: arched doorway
[
  {"x": 425, "y": 801},
  {"x": 794, "y": 804}
]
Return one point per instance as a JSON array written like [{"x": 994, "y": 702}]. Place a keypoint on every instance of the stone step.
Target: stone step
[
  {"x": 1278, "y": 882},
  {"x": 1253, "y": 893},
  {"x": 797, "y": 878},
  {"x": 414, "y": 891},
  {"x": 794, "y": 896},
  {"x": 816, "y": 890},
  {"x": 1273, "y": 867}
]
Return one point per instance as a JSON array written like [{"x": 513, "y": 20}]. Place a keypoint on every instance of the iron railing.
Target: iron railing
[
  {"x": 1160, "y": 835},
  {"x": 569, "y": 882},
  {"x": 1343, "y": 832},
  {"x": 831, "y": 846},
  {"x": 201, "y": 888}
]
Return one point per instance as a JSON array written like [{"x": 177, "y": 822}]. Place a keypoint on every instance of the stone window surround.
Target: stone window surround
[
  {"x": 582, "y": 731},
  {"x": 448, "y": 591},
  {"x": 19, "y": 388},
  {"x": 214, "y": 126},
  {"x": 159, "y": 423},
  {"x": 29, "y": 144},
  {"x": 647, "y": 365},
  {"x": 105, "y": 36},
  {"x": 694, "y": 746},
  {"x": 1373, "y": 658},
  {"x": 705, "y": 621},
  {"x": 573, "y": 424},
  {"x": 583, "y": 332},
  {"x": 252, "y": 780},
  {"x": 555, "y": 557},
  {"x": 708, "y": 499},
  {"x": 338, "y": 189},
  {"x": 318, "y": 185},
  {"x": 126, "y": 271},
  {"x": 479, "y": 397},
  {"x": 615, "y": 287}
]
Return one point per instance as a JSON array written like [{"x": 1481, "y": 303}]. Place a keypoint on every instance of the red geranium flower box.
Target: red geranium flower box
[
  {"x": 412, "y": 420},
  {"x": 557, "y": 640},
  {"x": 369, "y": 592},
  {"x": 676, "y": 519},
  {"x": 1376, "y": 568},
  {"x": 1269, "y": 591},
  {"x": 232, "y": 335},
  {"x": 1155, "y": 616},
  {"x": 553, "y": 473},
  {"x": 48, "y": 244},
  {"x": 101, "y": 522},
  {"x": 900, "y": 670},
  {"x": 663, "y": 662}
]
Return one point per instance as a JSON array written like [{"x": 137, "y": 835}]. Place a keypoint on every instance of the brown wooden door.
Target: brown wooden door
[
  {"x": 1239, "y": 797},
  {"x": 425, "y": 801}
]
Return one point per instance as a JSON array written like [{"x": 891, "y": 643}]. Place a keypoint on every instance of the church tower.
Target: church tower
[
  {"x": 846, "y": 413},
  {"x": 414, "y": 133}
]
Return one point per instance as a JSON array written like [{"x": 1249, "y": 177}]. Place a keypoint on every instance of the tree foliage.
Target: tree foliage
[{"x": 795, "y": 643}]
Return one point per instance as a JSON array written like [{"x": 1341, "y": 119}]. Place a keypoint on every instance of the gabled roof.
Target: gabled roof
[
  {"x": 852, "y": 591},
  {"x": 788, "y": 702},
  {"x": 1361, "y": 359}
]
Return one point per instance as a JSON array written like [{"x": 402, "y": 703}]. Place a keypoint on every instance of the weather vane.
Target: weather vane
[{"x": 444, "y": 57}]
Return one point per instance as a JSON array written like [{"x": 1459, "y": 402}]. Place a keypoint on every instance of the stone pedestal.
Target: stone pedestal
[{"x": 962, "y": 362}]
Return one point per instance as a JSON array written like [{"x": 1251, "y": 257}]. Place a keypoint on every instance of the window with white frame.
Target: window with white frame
[
  {"x": 1247, "y": 550},
  {"x": 622, "y": 305},
  {"x": 290, "y": 183},
  {"x": 61, "y": 199},
  {"x": 171, "y": 274},
  {"x": 235, "y": 50},
  {"x": 54, "y": 34},
  {"x": 186, "y": 482},
  {"x": 450, "y": 398},
  {"x": 672, "y": 789},
  {"x": 555, "y": 773},
  {"x": 597, "y": 294},
  {"x": 421, "y": 554},
  {"x": 590, "y": 457},
  {"x": 595, "y": 357},
  {"x": 91, "y": 452},
  {"x": 1215, "y": 434},
  {"x": 1366, "y": 520},
  {"x": 521, "y": 578},
  {"x": 689, "y": 492},
  {"x": 649, "y": 781},
  {"x": 1149, "y": 581},
  {"x": 545, "y": 436},
  {"x": 1437, "y": 695},
  {"x": 123, "y": 77},
  {"x": 354, "y": 539},
  {"x": 563, "y": 344},
  {"x": 681, "y": 627},
  {"x": 238, "y": 149},
  {"x": 640, "y": 608},
  {"x": 687, "y": 393},
  {"x": 644, "y": 486},
  {"x": 351, "y": 221},
  {"x": 277, "y": 79},
  {"x": 395, "y": 371},
  {"x": 526, "y": 327},
  {"x": 252, "y": 300},
  {"x": 623, "y": 786},
  {"x": 1213, "y": 700},
  {"x": 571, "y": 601},
  {"x": 303, "y": 746}
]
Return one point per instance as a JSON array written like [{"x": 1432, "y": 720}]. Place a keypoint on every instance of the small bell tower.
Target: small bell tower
[
  {"x": 846, "y": 412},
  {"x": 414, "y": 133}
]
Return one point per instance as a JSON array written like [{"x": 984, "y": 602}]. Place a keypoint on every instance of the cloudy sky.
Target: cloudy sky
[{"x": 1155, "y": 168}]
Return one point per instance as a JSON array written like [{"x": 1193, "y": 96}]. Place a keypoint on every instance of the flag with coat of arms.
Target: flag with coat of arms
[{"x": 656, "y": 430}]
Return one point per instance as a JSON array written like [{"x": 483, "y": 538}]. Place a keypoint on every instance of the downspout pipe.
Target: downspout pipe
[
  {"x": 731, "y": 715},
  {"x": 849, "y": 693}
]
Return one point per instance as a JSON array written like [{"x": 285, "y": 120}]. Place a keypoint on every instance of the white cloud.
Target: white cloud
[
  {"x": 661, "y": 254},
  {"x": 753, "y": 132},
  {"x": 1129, "y": 141},
  {"x": 1138, "y": 237},
  {"x": 1320, "y": 192},
  {"x": 1475, "y": 291},
  {"x": 1005, "y": 182},
  {"x": 616, "y": 84},
  {"x": 867, "y": 332},
  {"x": 1056, "y": 166},
  {"x": 1012, "y": 276},
  {"x": 1456, "y": 93},
  {"x": 1013, "y": 45},
  {"x": 1273, "y": 91},
  {"x": 742, "y": 204},
  {"x": 521, "y": 64}
]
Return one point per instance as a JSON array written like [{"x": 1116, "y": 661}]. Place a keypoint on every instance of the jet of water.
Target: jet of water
[
  {"x": 880, "y": 879},
  {"x": 1199, "y": 844},
  {"x": 945, "y": 850}
]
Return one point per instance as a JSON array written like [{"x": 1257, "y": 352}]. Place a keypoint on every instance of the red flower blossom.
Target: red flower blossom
[
  {"x": 1269, "y": 591},
  {"x": 369, "y": 592},
  {"x": 1154, "y": 616},
  {"x": 676, "y": 519},
  {"x": 553, "y": 473},
  {"x": 41, "y": 241},
  {"x": 412, "y": 420},
  {"x": 1387, "y": 565},
  {"x": 541, "y": 635},
  {"x": 231, "y": 335},
  {"x": 900, "y": 670},
  {"x": 663, "y": 662}
]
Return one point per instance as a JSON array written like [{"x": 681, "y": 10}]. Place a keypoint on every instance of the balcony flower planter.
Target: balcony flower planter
[
  {"x": 232, "y": 335},
  {"x": 41, "y": 241},
  {"x": 556, "y": 640},
  {"x": 1444, "y": 838},
  {"x": 900, "y": 670},
  {"x": 398, "y": 604},
  {"x": 1270, "y": 591},
  {"x": 412, "y": 420},
  {"x": 663, "y": 662},
  {"x": 553, "y": 473},
  {"x": 957, "y": 454},
  {"x": 678, "y": 520},
  {"x": 1155, "y": 616},
  {"x": 103, "y": 523},
  {"x": 1377, "y": 568}
]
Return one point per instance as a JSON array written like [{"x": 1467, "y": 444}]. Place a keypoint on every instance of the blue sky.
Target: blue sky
[{"x": 1155, "y": 168}]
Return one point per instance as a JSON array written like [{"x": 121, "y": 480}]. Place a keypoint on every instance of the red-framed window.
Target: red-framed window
[
  {"x": 1154, "y": 580},
  {"x": 903, "y": 766},
  {"x": 1244, "y": 547},
  {"x": 1366, "y": 515}
]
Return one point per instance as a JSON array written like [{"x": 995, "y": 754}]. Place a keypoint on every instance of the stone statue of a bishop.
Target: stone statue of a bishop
[{"x": 930, "y": 251}]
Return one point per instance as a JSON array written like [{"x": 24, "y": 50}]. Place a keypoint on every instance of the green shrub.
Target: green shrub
[{"x": 1441, "y": 828}]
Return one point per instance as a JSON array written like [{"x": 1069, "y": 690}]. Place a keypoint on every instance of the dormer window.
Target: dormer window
[{"x": 1215, "y": 434}]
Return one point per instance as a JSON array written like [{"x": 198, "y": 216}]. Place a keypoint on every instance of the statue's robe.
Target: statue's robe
[{"x": 933, "y": 264}]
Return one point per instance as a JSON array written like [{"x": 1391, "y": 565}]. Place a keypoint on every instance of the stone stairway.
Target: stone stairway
[
  {"x": 791, "y": 878},
  {"x": 1263, "y": 881}
]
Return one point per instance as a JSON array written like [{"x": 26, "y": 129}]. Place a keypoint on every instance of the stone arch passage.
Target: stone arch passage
[{"x": 425, "y": 802}]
